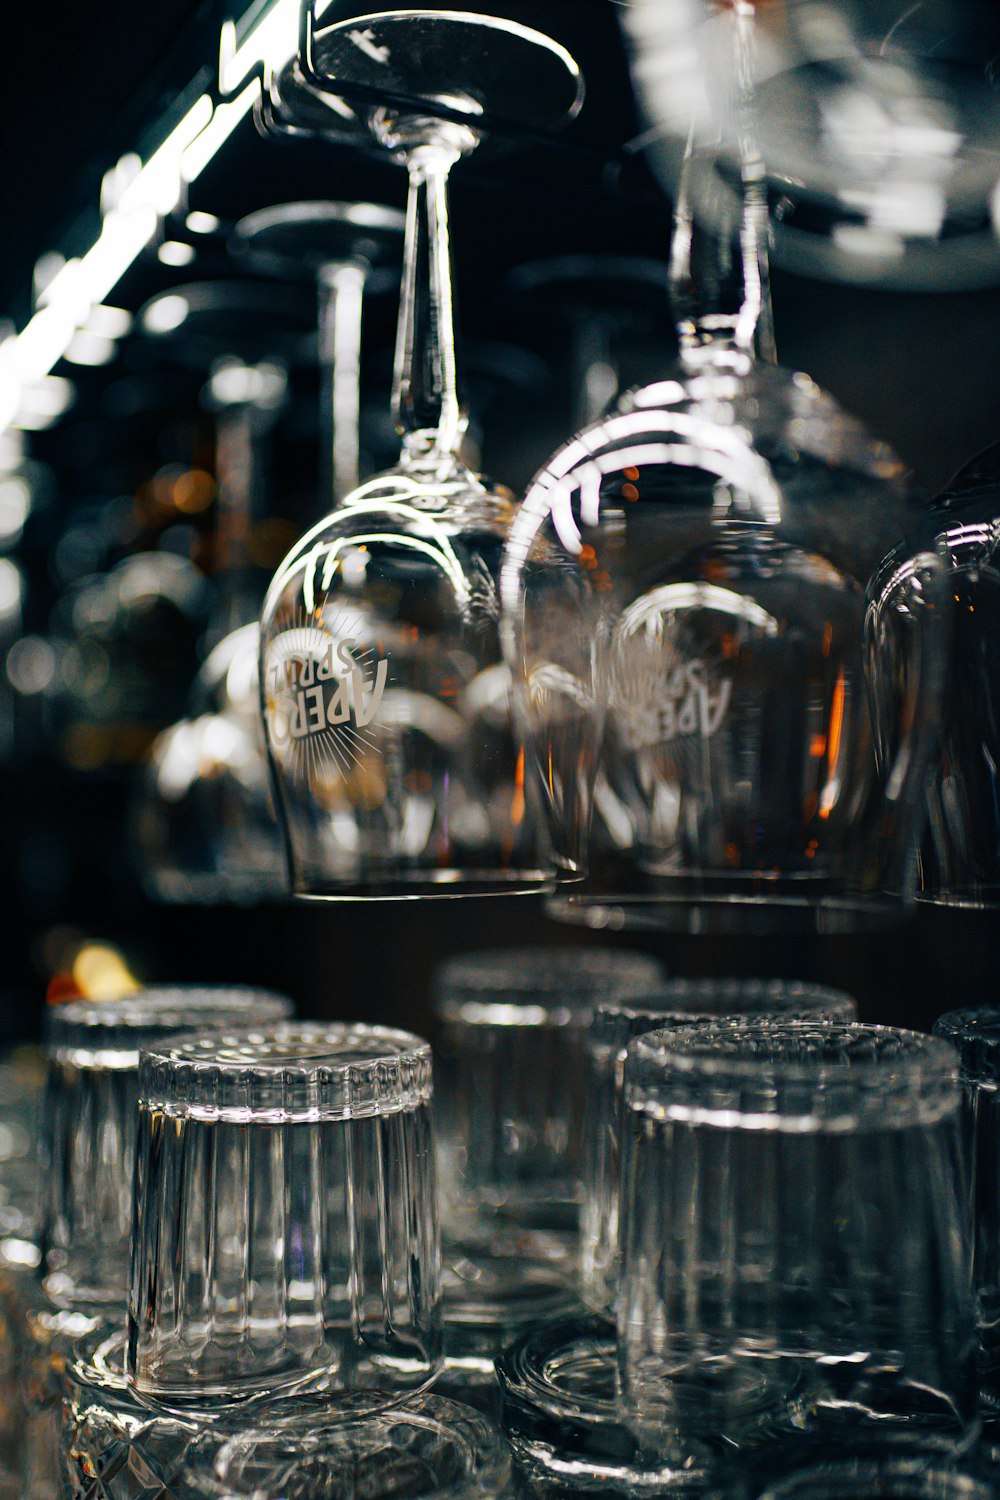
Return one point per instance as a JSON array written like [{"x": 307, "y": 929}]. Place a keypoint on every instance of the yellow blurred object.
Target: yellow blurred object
[{"x": 102, "y": 974}]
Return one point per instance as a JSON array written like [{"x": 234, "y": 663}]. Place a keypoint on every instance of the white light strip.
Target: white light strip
[
  {"x": 271, "y": 43},
  {"x": 217, "y": 132},
  {"x": 83, "y": 284}
]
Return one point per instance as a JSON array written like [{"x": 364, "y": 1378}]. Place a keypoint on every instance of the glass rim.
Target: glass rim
[
  {"x": 806, "y": 1000},
  {"x": 523, "y": 1371},
  {"x": 333, "y": 1048},
  {"x": 101, "y": 1031},
  {"x": 294, "y": 1070},
  {"x": 560, "y": 982},
  {"x": 914, "y": 1073}
]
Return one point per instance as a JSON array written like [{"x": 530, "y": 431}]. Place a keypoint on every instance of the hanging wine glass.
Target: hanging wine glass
[
  {"x": 687, "y": 611},
  {"x": 124, "y": 647},
  {"x": 202, "y": 819},
  {"x": 386, "y": 703},
  {"x": 351, "y": 252},
  {"x": 202, "y": 825},
  {"x": 614, "y": 309},
  {"x": 960, "y": 858},
  {"x": 877, "y": 123},
  {"x": 206, "y": 824}
]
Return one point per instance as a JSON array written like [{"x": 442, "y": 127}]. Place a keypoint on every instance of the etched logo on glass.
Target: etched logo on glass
[
  {"x": 323, "y": 691},
  {"x": 688, "y": 702},
  {"x": 673, "y": 660}
]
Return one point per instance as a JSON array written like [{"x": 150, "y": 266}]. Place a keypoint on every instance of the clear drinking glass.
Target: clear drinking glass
[
  {"x": 428, "y": 1449},
  {"x": 22, "y": 1078},
  {"x": 285, "y": 1216},
  {"x": 88, "y": 1156},
  {"x": 717, "y": 604},
  {"x": 616, "y": 1023},
  {"x": 511, "y": 1030},
  {"x": 794, "y": 1240},
  {"x": 386, "y": 703},
  {"x": 89, "y": 1125},
  {"x": 559, "y": 1395},
  {"x": 975, "y": 1034},
  {"x": 512, "y": 1033},
  {"x": 22, "y": 1088}
]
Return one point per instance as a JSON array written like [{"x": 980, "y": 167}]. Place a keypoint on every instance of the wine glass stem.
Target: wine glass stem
[
  {"x": 237, "y": 465},
  {"x": 596, "y": 376},
  {"x": 428, "y": 411},
  {"x": 341, "y": 295},
  {"x": 755, "y": 329},
  {"x": 719, "y": 271}
]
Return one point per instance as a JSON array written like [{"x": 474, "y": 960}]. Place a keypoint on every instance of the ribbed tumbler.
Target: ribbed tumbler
[
  {"x": 794, "y": 1237},
  {"x": 512, "y": 1028},
  {"x": 90, "y": 1122},
  {"x": 88, "y": 1144},
  {"x": 975, "y": 1033},
  {"x": 285, "y": 1216},
  {"x": 616, "y": 1023}
]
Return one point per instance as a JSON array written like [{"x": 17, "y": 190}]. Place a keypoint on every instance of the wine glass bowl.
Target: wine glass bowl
[
  {"x": 203, "y": 816},
  {"x": 688, "y": 614},
  {"x": 960, "y": 858},
  {"x": 385, "y": 697},
  {"x": 379, "y": 656}
]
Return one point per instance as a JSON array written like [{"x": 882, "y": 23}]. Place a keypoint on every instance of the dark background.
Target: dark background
[{"x": 81, "y": 86}]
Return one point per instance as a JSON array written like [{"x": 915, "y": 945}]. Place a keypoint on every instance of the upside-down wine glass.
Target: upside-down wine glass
[
  {"x": 714, "y": 599},
  {"x": 613, "y": 309},
  {"x": 207, "y": 826},
  {"x": 875, "y": 122},
  {"x": 350, "y": 250},
  {"x": 203, "y": 828},
  {"x": 386, "y": 703},
  {"x": 960, "y": 856}
]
